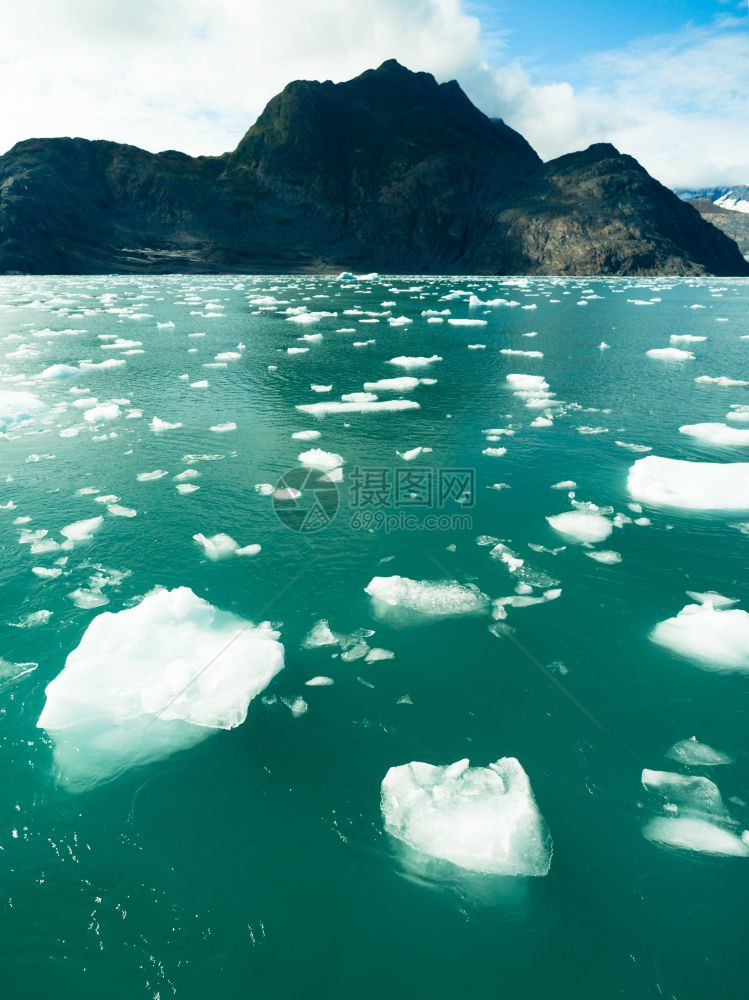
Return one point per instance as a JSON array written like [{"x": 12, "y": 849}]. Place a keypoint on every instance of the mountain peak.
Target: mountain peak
[{"x": 390, "y": 171}]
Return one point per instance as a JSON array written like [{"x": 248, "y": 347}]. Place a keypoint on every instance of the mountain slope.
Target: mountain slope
[{"x": 388, "y": 171}]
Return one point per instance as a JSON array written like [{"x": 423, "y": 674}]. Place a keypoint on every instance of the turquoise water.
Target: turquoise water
[{"x": 255, "y": 863}]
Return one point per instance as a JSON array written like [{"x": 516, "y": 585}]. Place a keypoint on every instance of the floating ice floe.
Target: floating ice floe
[
  {"x": 222, "y": 546},
  {"x": 708, "y": 486},
  {"x": 720, "y": 380},
  {"x": 81, "y": 531},
  {"x": 412, "y": 453},
  {"x": 403, "y": 383},
  {"x": 418, "y": 362},
  {"x": 606, "y": 556},
  {"x": 158, "y": 426},
  {"x": 692, "y": 753},
  {"x": 102, "y": 412},
  {"x": 56, "y": 373},
  {"x": 693, "y": 815},
  {"x": 514, "y": 352},
  {"x": 686, "y": 338},
  {"x": 581, "y": 525},
  {"x": 670, "y": 354},
  {"x": 739, "y": 413},
  {"x": 718, "y": 434},
  {"x": 433, "y": 599},
  {"x": 17, "y": 407},
  {"x": 316, "y": 458},
  {"x": 224, "y": 428},
  {"x": 715, "y": 638},
  {"x": 151, "y": 680},
  {"x": 482, "y": 819},
  {"x": 381, "y": 406}
]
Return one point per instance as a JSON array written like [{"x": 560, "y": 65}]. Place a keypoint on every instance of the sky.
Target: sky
[{"x": 664, "y": 80}]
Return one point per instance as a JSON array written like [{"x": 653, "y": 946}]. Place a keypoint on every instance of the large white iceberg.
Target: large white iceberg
[
  {"x": 707, "y": 486},
  {"x": 483, "y": 819},
  {"x": 151, "y": 680},
  {"x": 716, "y": 638}
]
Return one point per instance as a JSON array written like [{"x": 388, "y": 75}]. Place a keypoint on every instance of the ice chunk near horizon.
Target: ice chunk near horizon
[
  {"x": 150, "y": 680},
  {"x": 718, "y": 434},
  {"x": 671, "y": 482},
  {"x": 686, "y": 338},
  {"x": 430, "y": 598},
  {"x": 692, "y": 753},
  {"x": 482, "y": 819},
  {"x": 581, "y": 525},
  {"x": 669, "y": 354},
  {"x": 715, "y": 638}
]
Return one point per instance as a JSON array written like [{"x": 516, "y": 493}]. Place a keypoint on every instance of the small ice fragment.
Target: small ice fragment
[
  {"x": 218, "y": 546},
  {"x": 607, "y": 556},
  {"x": 670, "y": 354},
  {"x": 158, "y": 426},
  {"x": 581, "y": 525}
]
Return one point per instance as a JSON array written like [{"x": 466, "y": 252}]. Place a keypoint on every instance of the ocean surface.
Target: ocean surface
[{"x": 254, "y": 859}]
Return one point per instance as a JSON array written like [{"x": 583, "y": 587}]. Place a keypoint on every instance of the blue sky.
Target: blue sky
[
  {"x": 665, "y": 80},
  {"x": 553, "y": 36}
]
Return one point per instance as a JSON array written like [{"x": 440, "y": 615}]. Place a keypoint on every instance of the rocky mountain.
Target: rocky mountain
[
  {"x": 734, "y": 224},
  {"x": 389, "y": 171}
]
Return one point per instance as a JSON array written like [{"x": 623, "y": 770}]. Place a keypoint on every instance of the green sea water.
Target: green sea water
[{"x": 256, "y": 864}]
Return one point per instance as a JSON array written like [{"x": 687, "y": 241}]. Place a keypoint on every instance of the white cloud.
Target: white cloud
[{"x": 194, "y": 74}]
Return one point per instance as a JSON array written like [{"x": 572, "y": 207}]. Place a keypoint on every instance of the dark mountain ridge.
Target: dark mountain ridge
[{"x": 389, "y": 171}]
